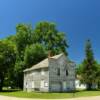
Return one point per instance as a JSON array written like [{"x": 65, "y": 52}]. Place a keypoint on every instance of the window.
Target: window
[
  {"x": 42, "y": 72},
  {"x": 66, "y": 72},
  {"x": 58, "y": 71},
  {"x": 26, "y": 85},
  {"x": 46, "y": 84},
  {"x": 32, "y": 84}
]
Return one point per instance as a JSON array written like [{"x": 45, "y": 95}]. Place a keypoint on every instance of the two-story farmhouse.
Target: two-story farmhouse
[{"x": 54, "y": 74}]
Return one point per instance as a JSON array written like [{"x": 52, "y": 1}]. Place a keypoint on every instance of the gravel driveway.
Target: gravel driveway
[{"x": 82, "y": 98}]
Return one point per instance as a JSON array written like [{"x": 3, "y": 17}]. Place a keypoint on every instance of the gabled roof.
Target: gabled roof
[{"x": 43, "y": 64}]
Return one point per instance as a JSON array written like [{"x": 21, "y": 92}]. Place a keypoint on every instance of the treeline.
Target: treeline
[{"x": 27, "y": 47}]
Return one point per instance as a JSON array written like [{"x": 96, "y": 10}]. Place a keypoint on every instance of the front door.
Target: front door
[
  {"x": 42, "y": 84},
  {"x": 64, "y": 86}
]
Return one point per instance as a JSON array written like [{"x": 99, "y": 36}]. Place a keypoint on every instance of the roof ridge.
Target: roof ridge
[{"x": 43, "y": 63}]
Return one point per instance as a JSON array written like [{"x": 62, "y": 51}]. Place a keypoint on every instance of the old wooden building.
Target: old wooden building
[{"x": 54, "y": 74}]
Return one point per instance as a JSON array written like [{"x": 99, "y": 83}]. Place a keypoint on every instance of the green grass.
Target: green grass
[{"x": 50, "y": 95}]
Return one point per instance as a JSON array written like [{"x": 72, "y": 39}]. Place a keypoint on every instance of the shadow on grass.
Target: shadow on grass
[
  {"x": 11, "y": 90},
  {"x": 87, "y": 90},
  {"x": 76, "y": 91}
]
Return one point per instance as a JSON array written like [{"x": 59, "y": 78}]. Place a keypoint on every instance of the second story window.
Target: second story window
[
  {"x": 42, "y": 72},
  {"x": 58, "y": 71},
  {"x": 66, "y": 72}
]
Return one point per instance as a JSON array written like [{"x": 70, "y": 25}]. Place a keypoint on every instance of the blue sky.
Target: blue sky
[{"x": 79, "y": 19}]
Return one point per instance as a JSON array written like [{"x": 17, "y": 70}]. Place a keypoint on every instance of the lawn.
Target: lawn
[{"x": 50, "y": 95}]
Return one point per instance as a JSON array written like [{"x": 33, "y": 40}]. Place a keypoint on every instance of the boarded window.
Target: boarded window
[{"x": 58, "y": 71}]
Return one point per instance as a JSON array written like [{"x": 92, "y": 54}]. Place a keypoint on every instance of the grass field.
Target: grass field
[{"x": 50, "y": 95}]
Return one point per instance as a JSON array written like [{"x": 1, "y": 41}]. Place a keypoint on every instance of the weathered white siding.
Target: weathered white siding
[
  {"x": 61, "y": 82},
  {"x": 36, "y": 80}
]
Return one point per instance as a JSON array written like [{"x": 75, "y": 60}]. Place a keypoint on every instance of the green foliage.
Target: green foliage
[
  {"x": 47, "y": 34},
  {"x": 9, "y": 79},
  {"x": 24, "y": 37},
  {"x": 18, "y": 73},
  {"x": 98, "y": 76},
  {"x": 7, "y": 54},
  {"x": 7, "y": 59},
  {"x": 79, "y": 69},
  {"x": 34, "y": 54}
]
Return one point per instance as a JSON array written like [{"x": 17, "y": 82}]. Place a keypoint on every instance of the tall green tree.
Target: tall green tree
[
  {"x": 10, "y": 74},
  {"x": 89, "y": 64},
  {"x": 23, "y": 38},
  {"x": 7, "y": 59},
  {"x": 47, "y": 34}
]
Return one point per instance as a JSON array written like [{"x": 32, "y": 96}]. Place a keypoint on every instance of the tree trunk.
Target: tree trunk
[
  {"x": 1, "y": 84},
  {"x": 1, "y": 81},
  {"x": 98, "y": 85},
  {"x": 0, "y": 87}
]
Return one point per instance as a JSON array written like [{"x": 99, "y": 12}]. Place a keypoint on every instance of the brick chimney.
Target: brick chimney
[{"x": 50, "y": 54}]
